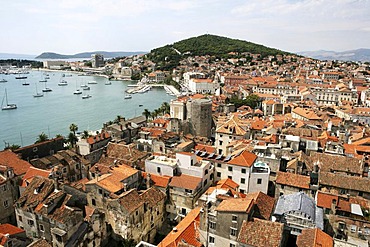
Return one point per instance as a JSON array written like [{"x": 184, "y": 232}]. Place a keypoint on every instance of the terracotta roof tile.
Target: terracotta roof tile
[
  {"x": 292, "y": 179},
  {"x": 10, "y": 229},
  {"x": 243, "y": 205},
  {"x": 261, "y": 233},
  {"x": 186, "y": 231},
  {"x": 185, "y": 181},
  {"x": 245, "y": 158},
  {"x": 31, "y": 173},
  {"x": 343, "y": 181},
  {"x": 10, "y": 159},
  {"x": 314, "y": 238},
  {"x": 265, "y": 204}
]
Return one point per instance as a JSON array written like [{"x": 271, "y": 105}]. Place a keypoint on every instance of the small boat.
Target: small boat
[
  {"x": 7, "y": 106},
  {"x": 68, "y": 75},
  {"x": 3, "y": 80},
  {"x": 21, "y": 77},
  {"x": 47, "y": 77},
  {"x": 38, "y": 95},
  {"x": 108, "y": 83},
  {"x": 83, "y": 85},
  {"x": 128, "y": 96},
  {"x": 92, "y": 82},
  {"x": 140, "y": 105},
  {"x": 63, "y": 75},
  {"x": 43, "y": 80},
  {"x": 25, "y": 83},
  {"x": 78, "y": 91},
  {"x": 85, "y": 88},
  {"x": 86, "y": 96},
  {"x": 63, "y": 83},
  {"x": 46, "y": 89}
]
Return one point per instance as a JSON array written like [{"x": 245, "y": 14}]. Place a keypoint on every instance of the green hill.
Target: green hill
[{"x": 169, "y": 56}]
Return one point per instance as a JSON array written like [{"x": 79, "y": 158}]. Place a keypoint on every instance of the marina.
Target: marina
[{"x": 53, "y": 111}]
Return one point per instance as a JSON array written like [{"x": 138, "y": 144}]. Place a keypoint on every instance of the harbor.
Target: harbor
[{"x": 57, "y": 109}]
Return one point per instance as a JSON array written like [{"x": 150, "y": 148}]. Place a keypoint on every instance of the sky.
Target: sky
[{"x": 73, "y": 26}]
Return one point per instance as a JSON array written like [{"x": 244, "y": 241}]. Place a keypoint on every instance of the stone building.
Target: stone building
[{"x": 199, "y": 115}]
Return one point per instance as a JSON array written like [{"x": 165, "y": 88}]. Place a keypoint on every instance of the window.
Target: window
[
  {"x": 158, "y": 170},
  {"x": 183, "y": 211},
  {"x": 232, "y": 245},
  {"x": 212, "y": 225},
  {"x": 188, "y": 191},
  {"x": 6, "y": 204},
  {"x": 20, "y": 218},
  {"x": 59, "y": 238},
  {"x": 93, "y": 202},
  {"x": 219, "y": 174},
  {"x": 282, "y": 186},
  {"x": 206, "y": 172},
  {"x": 230, "y": 168},
  {"x": 34, "y": 149},
  {"x": 41, "y": 228},
  {"x": 234, "y": 218},
  {"x": 231, "y": 177},
  {"x": 219, "y": 165},
  {"x": 211, "y": 240},
  {"x": 242, "y": 191},
  {"x": 232, "y": 232},
  {"x": 259, "y": 180},
  {"x": 242, "y": 180},
  {"x": 65, "y": 170},
  {"x": 30, "y": 222},
  {"x": 220, "y": 143},
  {"x": 100, "y": 191},
  {"x": 244, "y": 170}
]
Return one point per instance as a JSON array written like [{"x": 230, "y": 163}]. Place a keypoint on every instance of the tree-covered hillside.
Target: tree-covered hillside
[{"x": 206, "y": 44}]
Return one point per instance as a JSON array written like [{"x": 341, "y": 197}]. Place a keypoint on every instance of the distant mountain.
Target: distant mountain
[
  {"x": 362, "y": 55},
  {"x": 168, "y": 56},
  {"x": 106, "y": 54},
  {"x": 16, "y": 56}
]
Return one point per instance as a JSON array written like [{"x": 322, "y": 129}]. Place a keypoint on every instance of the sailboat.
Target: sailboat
[
  {"x": 47, "y": 89},
  {"x": 78, "y": 91},
  {"x": 37, "y": 95},
  {"x": 7, "y": 106}
]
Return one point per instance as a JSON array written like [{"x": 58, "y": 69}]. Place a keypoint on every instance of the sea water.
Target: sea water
[{"x": 53, "y": 113}]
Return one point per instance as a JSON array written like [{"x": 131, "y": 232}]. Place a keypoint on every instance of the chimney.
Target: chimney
[{"x": 148, "y": 177}]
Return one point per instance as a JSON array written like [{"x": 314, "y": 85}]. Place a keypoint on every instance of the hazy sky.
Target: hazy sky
[{"x": 72, "y": 26}]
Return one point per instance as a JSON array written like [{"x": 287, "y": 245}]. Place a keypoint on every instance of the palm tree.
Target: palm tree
[
  {"x": 58, "y": 135},
  {"x": 73, "y": 128},
  {"x": 118, "y": 119},
  {"x": 72, "y": 139},
  {"x": 85, "y": 134},
  {"x": 165, "y": 107},
  {"x": 12, "y": 147},
  {"x": 146, "y": 113},
  {"x": 42, "y": 137}
]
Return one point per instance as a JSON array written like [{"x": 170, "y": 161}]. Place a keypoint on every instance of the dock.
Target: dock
[{"x": 171, "y": 90}]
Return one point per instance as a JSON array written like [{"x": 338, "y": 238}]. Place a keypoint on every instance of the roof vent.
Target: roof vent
[{"x": 174, "y": 229}]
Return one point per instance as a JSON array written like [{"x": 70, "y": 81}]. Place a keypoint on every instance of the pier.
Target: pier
[{"x": 142, "y": 88}]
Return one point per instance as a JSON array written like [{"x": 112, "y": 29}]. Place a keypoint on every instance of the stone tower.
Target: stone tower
[{"x": 199, "y": 115}]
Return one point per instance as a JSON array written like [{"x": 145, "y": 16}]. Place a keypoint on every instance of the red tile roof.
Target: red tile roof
[
  {"x": 242, "y": 205},
  {"x": 261, "y": 233},
  {"x": 292, "y": 179},
  {"x": 10, "y": 159},
  {"x": 10, "y": 229},
  {"x": 314, "y": 238},
  {"x": 185, "y": 181},
  {"x": 186, "y": 231},
  {"x": 245, "y": 158},
  {"x": 265, "y": 204},
  {"x": 31, "y": 173}
]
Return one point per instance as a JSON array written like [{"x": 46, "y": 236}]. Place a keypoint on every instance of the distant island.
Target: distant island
[
  {"x": 362, "y": 55},
  {"x": 106, "y": 54}
]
